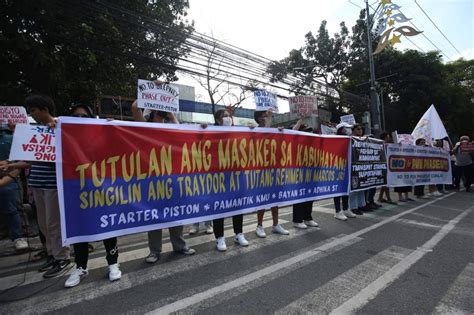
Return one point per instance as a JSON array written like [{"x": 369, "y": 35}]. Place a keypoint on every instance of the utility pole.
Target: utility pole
[{"x": 374, "y": 97}]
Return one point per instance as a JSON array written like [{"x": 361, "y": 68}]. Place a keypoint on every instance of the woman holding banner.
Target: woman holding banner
[
  {"x": 81, "y": 250},
  {"x": 155, "y": 238},
  {"x": 343, "y": 129},
  {"x": 357, "y": 201},
  {"x": 302, "y": 211},
  {"x": 264, "y": 119},
  {"x": 223, "y": 118}
]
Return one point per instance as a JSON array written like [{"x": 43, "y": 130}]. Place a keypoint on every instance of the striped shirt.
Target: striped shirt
[{"x": 42, "y": 175}]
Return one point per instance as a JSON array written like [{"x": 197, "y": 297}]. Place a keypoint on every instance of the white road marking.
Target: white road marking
[
  {"x": 459, "y": 298},
  {"x": 100, "y": 262},
  {"x": 210, "y": 293},
  {"x": 372, "y": 290},
  {"x": 335, "y": 292}
]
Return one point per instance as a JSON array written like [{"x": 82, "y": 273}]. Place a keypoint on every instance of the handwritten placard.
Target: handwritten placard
[{"x": 164, "y": 97}]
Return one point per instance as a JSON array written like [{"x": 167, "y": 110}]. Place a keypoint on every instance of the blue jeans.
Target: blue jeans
[
  {"x": 9, "y": 205},
  {"x": 357, "y": 200}
]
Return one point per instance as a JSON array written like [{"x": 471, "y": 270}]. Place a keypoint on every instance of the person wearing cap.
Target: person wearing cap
[
  {"x": 357, "y": 201},
  {"x": 81, "y": 250},
  {"x": 155, "y": 238},
  {"x": 264, "y": 119},
  {"x": 463, "y": 165},
  {"x": 343, "y": 129},
  {"x": 302, "y": 211}
]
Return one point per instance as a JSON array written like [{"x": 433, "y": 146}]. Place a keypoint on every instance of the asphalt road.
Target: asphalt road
[{"x": 416, "y": 257}]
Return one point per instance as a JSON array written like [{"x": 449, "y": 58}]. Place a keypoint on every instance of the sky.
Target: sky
[{"x": 273, "y": 28}]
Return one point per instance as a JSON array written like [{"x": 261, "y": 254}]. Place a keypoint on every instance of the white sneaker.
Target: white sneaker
[
  {"x": 240, "y": 238},
  {"x": 349, "y": 213},
  {"x": 311, "y": 223},
  {"x": 209, "y": 230},
  {"x": 300, "y": 225},
  {"x": 260, "y": 231},
  {"x": 430, "y": 195},
  {"x": 20, "y": 244},
  {"x": 193, "y": 231},
  {"x": 437, "y": 194},
  {"x": 340, "y": 216},
  {"x": 75, "y": 277},
  {"x": 114, "y": 272},
  {"x": 221, "y": 246},
  {"x": 278, "y": 229}
]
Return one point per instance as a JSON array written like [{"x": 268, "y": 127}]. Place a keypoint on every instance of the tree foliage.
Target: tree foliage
[
  {"x": 77, "y": 50},
  {"x": 409, "y": 81}
]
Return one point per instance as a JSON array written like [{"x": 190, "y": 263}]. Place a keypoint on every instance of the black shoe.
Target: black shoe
[
  {"x": 357, "y": 211},
  {"x": 59, "y": 267},
  {"x": 366, "y": 209},
  {"x": 47, "y": 264}
]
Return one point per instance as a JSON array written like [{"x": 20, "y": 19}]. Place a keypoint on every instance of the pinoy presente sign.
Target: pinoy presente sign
[
  {"x": 368, "y": 163},
  {"x": 33, "y": 143},
  {"x": 13, "y": 114},
  {"x": 161, "y": 176},
  {"x": 163, "y": 97},
  {"x": 265, "y": 100},
  {"x": 410, "y": 165}
]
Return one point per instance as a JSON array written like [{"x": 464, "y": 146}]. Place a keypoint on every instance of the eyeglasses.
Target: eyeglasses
[
  {"x": 358, "y": 128},
  {"x": 80, "y": 115}
]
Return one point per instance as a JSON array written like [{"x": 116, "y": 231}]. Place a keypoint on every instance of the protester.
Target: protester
[
  {"x": 223, "y": 118},
  {"x": 10, "y": 192},
  {"x": 420, "y": 189},
  {"x": 357, "y": 201},
  {"x": 463, "y": 165},
  {"x": 81, "y": 250},
  {"x": 387, "y": 138},
  {"x": 155, "y": 238},
  {"x": 344, "y": 213},
  {"x": 302, "y": 211},
  {"x": 264, "y": 119},
  {"x": 42, "y": 182}
]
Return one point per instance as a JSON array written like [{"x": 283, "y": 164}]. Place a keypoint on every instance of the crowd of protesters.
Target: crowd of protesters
[{"x": 41, "y": 183}]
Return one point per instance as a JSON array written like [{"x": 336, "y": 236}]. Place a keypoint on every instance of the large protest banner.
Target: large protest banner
[
  {"x": 33, "y": 143},
  {"x": 410, "y": 165},
  {"x": 138, "y": 177},
  {"x": 368, "y": 163}
]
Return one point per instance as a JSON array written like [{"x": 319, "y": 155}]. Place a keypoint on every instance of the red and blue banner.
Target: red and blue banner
[{"x": 117, "y": 178}]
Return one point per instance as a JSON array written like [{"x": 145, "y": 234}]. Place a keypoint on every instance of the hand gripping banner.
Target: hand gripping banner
[{"x": 117, "y": 178}]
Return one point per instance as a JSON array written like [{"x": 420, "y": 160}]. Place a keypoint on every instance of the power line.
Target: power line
[
  {"x": 427, "y": 38},
  {"x": 429, "y": 18}
]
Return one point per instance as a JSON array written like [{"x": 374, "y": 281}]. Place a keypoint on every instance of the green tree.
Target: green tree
[{"x": 77, "y": 50}]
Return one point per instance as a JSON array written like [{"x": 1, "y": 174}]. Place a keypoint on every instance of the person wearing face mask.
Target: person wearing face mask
[
  {"x": 81, "y": 250},
  {"x": 264, "y": 119},
  {"x": 176, "y": 233},
  {"x": 343, "y": 129},
  {"x": 223, "y": 118}
]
